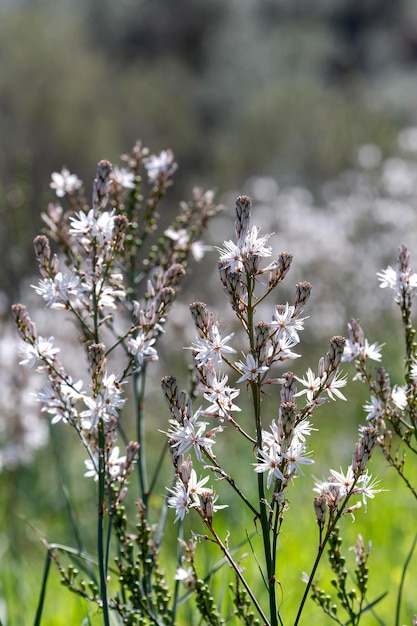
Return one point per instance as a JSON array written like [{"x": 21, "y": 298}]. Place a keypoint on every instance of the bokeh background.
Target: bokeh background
[{"x": 309, "y": 107}]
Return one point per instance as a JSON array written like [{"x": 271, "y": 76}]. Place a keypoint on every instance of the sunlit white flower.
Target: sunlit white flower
[
  {"x": 372, "y": 351},
  {"x": 105, "y": 406},
  {"x": 254, "y": 245},
  {"x": 198, "y": 249},
  {"x": 374, "y": 408},
  {"x": 312, "y": 384},
  {"x": 212, "y": 348},
  {"x": 397, "y": 280},
  {"x": 221, "y": 396},
  {"x": 251, "y": 370},
  {"x": 60, "y": 400},
  {"x": 282, "y": 349},
  {"x": 57, "y": 291},
  {"x": 161, "y": 164},
  {"x": 287, "y": 323},
  {"x": 353, "y": 349},
  {"x": 87, "y": 225},
  {"x": 366, "y": 487},
  {"x": 141, "y": 348},
  {"x": 35, "y": 354},
  {"x": 64, "y": 182},
  {"x": 296, "y": 455},
  {"x": 191, "y": 435},
  {"x": 269, "y": 461},
  {"x": 231, "y": 256},
  {"x": 303, "y": 429},
  {"x": 399, "y": 397},
  {"x": 343, "y": 481},
  {"x": 333, "y": 383},
  {"x": 180, "y": 500},
  {"x": 123, "y": 177},
  {"x": 185, "y": 575}
]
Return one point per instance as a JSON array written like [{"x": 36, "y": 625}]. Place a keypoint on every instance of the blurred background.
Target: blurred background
[
  {"x": 309, "y": 107},
  {"x": 236, "y": 88}
]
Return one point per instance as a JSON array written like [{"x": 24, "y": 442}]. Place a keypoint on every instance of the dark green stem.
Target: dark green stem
[
  {"x": 139, "y": 392},
  {"x": 100, "y": 523}
]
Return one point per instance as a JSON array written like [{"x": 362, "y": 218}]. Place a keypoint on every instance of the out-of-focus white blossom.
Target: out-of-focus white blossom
[{"x": 64, "y": 182}]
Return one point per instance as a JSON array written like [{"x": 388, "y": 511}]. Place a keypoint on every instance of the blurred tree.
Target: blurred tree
[{"x": 235, "y": 89}]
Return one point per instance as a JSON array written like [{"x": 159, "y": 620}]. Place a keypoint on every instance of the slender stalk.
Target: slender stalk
[
  {"x": 264, "y": 513},
  {"x": 239, "y": 574},
  {"x": 100, "y": 524},
  {"x": 322, "y": 546},
  {"x": 139, "y": 393}
]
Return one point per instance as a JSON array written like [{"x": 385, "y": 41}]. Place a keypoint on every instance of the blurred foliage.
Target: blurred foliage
[{"x": 234, "y": 88}]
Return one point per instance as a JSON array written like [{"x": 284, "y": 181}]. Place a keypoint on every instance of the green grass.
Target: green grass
[{"x": 33, "y": 505}]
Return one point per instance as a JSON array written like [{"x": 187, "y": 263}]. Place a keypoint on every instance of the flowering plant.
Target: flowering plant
[{"x": 120, "y": 279}]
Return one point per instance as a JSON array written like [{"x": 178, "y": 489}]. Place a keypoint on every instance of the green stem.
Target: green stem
[
  {"x": 264, "y": 513},
  {"x": 139, "y": 392},
  {"x": 239, "y": 574},
  {"x": 100, "y": 523},
  {"x": 322, "y": 546}
]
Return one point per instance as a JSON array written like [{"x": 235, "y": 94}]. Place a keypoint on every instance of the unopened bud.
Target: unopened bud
[
  {"x": 207, "y": 505},
  {"x": 320, "y": 509},
  {"x": 101, "y": 182},
  {"x": 382, "y": 384},
  {"x": 356, "y": 334},
  {"x": 42, "y": 251},
  {"x": 25, "y": 326},
  {"x": 96, "y": 353},
  {"x": 303, "y": 291},
  {"x": 170, "y": 389},
  {"x": 403, "y": 258},
  {"x": 289, "y": 387},
  {"x": 242, "y": 216},
  {"x": 334, "y": 354}
]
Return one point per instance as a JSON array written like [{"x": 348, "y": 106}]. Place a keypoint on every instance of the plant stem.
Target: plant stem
[
  {"x": 100, "y": 523},
  {"x": 264, "y": 514},
  {"x": 239, "y": 575},
  {"x": 139, "y": 393}
]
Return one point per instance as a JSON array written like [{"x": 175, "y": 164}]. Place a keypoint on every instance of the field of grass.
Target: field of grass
[{"x": 34, "y": 506}]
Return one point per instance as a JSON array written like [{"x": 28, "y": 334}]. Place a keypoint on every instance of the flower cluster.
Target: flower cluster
[
  {"x": 99, "y": 287},
  {"x": 391, "y": 410},
  {"x": 282, "y": 450}
]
